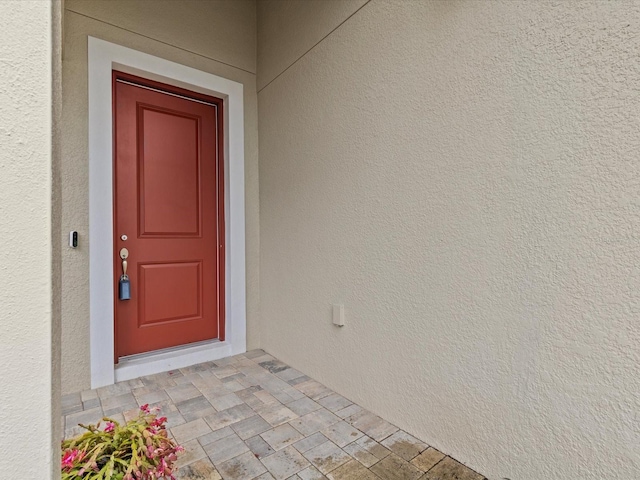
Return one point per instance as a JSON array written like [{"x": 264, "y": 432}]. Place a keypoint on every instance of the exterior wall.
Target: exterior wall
[
  {"x": 29, "y": 400},
  {"x": 307, "y": 22},
  {"x": 215, "y": 37},
  {"x": 462, "y": 176}
]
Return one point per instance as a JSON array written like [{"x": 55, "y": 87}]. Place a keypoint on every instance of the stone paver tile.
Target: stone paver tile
[
  {"x": 71, "y": 399},
  {"x": 243, "y": 466},
  {"x": 73, "y": 431},
  {"x": 161, "y": 380},
  {"x": 299, "y": 380},
  {"x": 274, "y": 366},
  {"x": 229, "y": 416},
  {"x": 274, "y": 385},
  {"x": 192, "y": 451},
  {"x": 427, "y": 459},
  {"x": 265, "y": 476},
  {"x": 285, "y": 398},
  {"x": 233, "y": 386},
  {"x": 215, "y": 436},
  {"x": 367, "y": 451},
  {"x": 293, "y": 392},
  {"x": 285, "y": 463},
  {"x": 276, "y": 414},
  {"x": 254, "y": 353},
  {"x": 393, "y": 467},
  {"x": 289, "y": 374},
  {"x": 193, "y": 404},
  {"x": 254, "y": 402},
  {"x": 349, "y": 411},
  {"x": 263, "y": 358},
  {"x": 361, "y": 455},
  {"x": 249, "y": 381},
  {"x": 92, "y": 403},
  {"x": 224, "y": 371},
  {"x": 342, "y": 433},
  {"x": 194, "y": 415},
  {"x": 116, "y": 401},
  {"x": 449, "y": 469},
  {"x": 373, "y": 447},
  {"x": 248, "y": 392},
  {"x": 404, "y": 445},
  {"x": 131, "y": 408},
  {"x": 154, "y": 396},
  {"x": 114, "y": 390},
  {"x": 303, "y": 406},
  {"x": 314, "y": 421},
  {"x": 88, "y": 395},
  {"x": 334, "y": 402},
  {"x": 187, "y": 379},
  {"x": 311, "y": 473},
  {"x": 199, "y": 470},
  {"x": 327, "y": 457},
  {"x": 266, "y": 398},
  {"x": 214, "y": 392},
  {"x": 189, "y": 431},
  {"x": 313, "y": 389},
  {"x": 225, "y": 449},
  {"x": 226, "y": 401},
  {"x": 352, "y": 470},
  {"x": 259, "y": 447},
  {"x": 201, "y": 367},
  {"x": 310, "y": 442},
  {"x": 227, "y": 361},
  {"x": 174, "y": 418},
  {"x": 372, "y": 425},
  {"x": 130, "y": 413},
  {"x": 250, "y": 427},
  {"x": 206, "y": 380},
  {"x": 86, "y": 417},
  {"x": 77, "y": 408},
  {"x": 234, "y": 377},
  {"x": 183, "y": 392},
  {"x": 281, "y": 436}
]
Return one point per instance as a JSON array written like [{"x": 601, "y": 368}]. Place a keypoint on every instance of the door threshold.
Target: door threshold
[{"x": 159, "y": 361}]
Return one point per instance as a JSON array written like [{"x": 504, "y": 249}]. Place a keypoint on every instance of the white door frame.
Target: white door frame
[{"x": 103, "y": 58}]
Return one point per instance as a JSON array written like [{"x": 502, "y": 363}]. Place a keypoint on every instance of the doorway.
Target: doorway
[
  {"x": 168, "y": 216},
  {"x": 104, "y": 58}
]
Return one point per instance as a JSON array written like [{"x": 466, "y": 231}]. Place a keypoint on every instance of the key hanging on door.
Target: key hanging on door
[{"x": 124, "y": 287}]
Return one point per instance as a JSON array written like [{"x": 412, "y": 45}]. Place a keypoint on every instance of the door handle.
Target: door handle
[
  {"x": 124, "y": 254},
  {"x": 124, "y": 288}
]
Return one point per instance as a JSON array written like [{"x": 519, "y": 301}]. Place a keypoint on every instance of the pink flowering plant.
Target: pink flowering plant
[{"x": 137, "y": 450}]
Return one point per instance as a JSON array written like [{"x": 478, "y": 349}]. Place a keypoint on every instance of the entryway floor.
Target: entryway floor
[{"x": 253, "y": 417}]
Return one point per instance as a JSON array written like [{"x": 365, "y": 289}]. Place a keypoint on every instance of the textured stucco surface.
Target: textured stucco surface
[
  {"x": 224, "y": 30},
  {"x": 288, "y": 28},
  {"x": 463, "y": 177},
  {"x": 75, "y": 301},
  {"x": 27, "y": 412}
]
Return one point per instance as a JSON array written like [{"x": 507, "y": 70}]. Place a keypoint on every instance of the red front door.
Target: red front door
[{"x": 169, "y": 215}]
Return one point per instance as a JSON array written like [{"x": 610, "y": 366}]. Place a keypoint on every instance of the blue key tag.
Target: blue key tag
[{"x": 124, "y": 289}]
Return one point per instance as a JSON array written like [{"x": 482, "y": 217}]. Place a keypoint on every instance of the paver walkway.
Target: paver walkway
[{"x": 253, "y": 417}]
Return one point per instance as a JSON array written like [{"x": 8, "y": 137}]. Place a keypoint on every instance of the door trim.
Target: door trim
[{"x": 103, "y": 58}]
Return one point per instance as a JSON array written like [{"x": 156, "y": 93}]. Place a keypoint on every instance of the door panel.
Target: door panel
[
  {"x": 169, "y": 169},
  {"x": 168, "y": 202}
]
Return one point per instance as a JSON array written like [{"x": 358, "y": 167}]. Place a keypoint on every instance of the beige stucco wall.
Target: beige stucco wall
[
  {"x": 29, "y": 400},
  {"x": 216, "y": 37},
  {"x": 463, "y": 177},
  {"x": 307, "y": 22}
]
